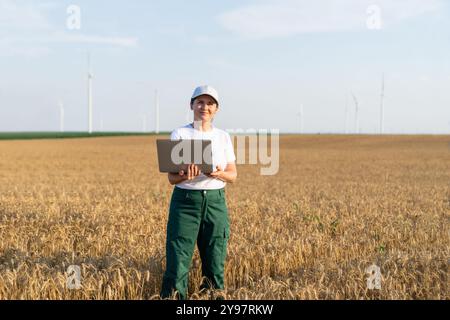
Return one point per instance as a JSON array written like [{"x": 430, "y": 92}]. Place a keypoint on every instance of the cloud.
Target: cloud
[
  {"x": 8, "y": 50},
  {"x": 32, "y": 47},
  {"x": 21, "y": 16},
  {"x": 90, "y": 39},
  {"x": 292, "y": 17},
  {"x": 25, "y": 30}
]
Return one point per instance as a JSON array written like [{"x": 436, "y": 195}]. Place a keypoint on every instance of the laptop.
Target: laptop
[{"x": 176, "y": 155}]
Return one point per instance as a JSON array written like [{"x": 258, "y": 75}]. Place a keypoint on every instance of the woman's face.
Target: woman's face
[{"x": 205, "y": 107}]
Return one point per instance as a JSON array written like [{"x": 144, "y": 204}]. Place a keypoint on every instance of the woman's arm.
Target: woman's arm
[
  {"x": 228, "y": 175},
  {"x": 175, "y": 178}
]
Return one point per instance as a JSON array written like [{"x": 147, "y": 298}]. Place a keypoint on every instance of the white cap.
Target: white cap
[{"x": 208, "y": 90}]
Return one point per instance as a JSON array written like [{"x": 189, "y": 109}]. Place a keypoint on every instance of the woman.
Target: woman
[{"x": 198, "y": 210}]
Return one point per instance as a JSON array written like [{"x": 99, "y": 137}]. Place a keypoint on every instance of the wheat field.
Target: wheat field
[{"x": 338, "y": 205}]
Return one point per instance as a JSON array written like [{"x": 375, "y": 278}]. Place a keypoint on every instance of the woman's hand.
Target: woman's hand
[
  {"x": 192, "y": 171},
  {"x": 216, "y": 174},
  {"x": 227, "y": 175}
]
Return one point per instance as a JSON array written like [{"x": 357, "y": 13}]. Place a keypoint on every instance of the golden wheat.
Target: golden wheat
[{"x": 338, "y": 205}]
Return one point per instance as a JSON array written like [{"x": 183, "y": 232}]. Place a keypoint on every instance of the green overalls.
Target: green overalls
[{"x": 196, "y": 216}]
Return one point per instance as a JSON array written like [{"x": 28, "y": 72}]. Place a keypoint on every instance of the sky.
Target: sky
[{"x": 268, "y": 60}]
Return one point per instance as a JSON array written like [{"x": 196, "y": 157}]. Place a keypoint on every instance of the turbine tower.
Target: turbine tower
[
  {"x": 61, "y": 117},
  {"x": 189, "y": 115},
  {"x": 382, "y": 106},
  {"x": 346, "y": 114},
  {"x": 144, "y": 123},
  {"x": 89, "y": 88},
  {"x": 156, "y": 112},
  {"x": 356, "y": 114},
  {"x": 101, "y": 122},
  {"x": 300, "y": 114}
]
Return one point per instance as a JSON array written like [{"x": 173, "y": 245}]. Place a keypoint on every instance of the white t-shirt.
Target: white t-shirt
[{"x": 222, "y": 154}]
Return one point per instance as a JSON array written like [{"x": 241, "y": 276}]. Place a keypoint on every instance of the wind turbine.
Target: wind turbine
[
  {"x": 356, "y": 114},
  {"x": 156, "y": 112},
  {"x": 189, "y": 116},
  {"x": 382, "y": 105},
  {"x": 346, "y": 114},
  {"x": 300, "y": 114},
  {"x": 61, "y": 117},
  {"x": 89, "y": 88},
  {"x": 101, "y": 122},
  {"x": 144, "y": 123}
]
